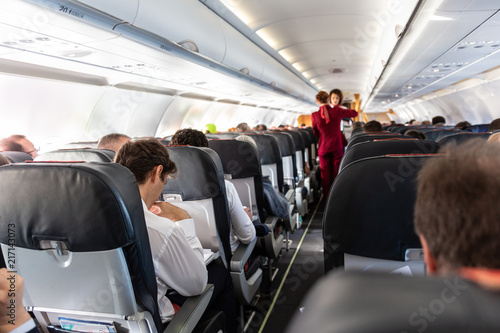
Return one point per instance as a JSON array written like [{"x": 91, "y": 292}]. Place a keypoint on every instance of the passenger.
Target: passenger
[
  {"x": 462, "y": 125},
  {"x": 242, "y": 229},
  {"x": 372, "y": 126},
  {"x": 426, "y": 123},
  {"x": 243, "y": 127},
  {"x": 438, "y": 120},
  {"x": 495, "y": 137},
  {"x": 13, "y": 315},
  {"x": 260, "y": 127},
  {"x": 416, "y": 134},
  {"x": 113, "y": 141},
  {"x": 18, "y": 142},
  {"x": 494, "y": 125},
  {"x": 357, "y": 128},
  {"x": 326, "y": 126},
  {"x": 3, "y": 160},
  {"x": 177, "y": 252},
  {"x": 211, "y": 129}
]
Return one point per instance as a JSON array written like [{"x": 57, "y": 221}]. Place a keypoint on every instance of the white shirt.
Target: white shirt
[
  {"x": 177, "y": 258},
  {"x": 242, "y": 229}
]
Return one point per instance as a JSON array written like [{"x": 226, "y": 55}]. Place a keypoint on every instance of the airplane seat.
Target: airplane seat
[
  {"x": 384, "y": 147},
  {"x": 479, "y": 128},
  {"x": 310, "y": 181},
  {"x": 241, "y": 162},
  {"x": 375, "y": 302},
  {"x": 82, "y": 154},
  {"x": 434, "y": 134},
  {"x": 301, "y": 189},
  {"x": 270, "y": 159},
  {"x": 374, "y": 136},
  {"x": 368, "y": 221},
  {"x": 461, "y": 137},
  {"x": 16, "y": 156},
  {"x": 81, "y": 244},
  {"x": 81, "y": 144},
  {"x": 199, "y": 189}
]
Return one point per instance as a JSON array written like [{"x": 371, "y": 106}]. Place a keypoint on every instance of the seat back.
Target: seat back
[
  {"x": 434, "y": 134},
  {"x": 368, "y": 221},
  {"x": 461, "y": 137},
  {"x": 287, "y": 150},
  {"x": 82, "y": 154},
  {"x": 384, "y": 147},
  {"x": 370, "y": 137},
  {"x": 270, "y": 159},
  {"x": 16, "y": 156},
  {"x": 199, "y": 188},
  {"x": 299, "y": 153},
  {"x": 479, "y": 128},
  {"x": 81, "y": 243}
]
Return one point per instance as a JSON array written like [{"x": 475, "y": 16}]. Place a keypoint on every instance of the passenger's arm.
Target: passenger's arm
[
  {"x": 181, "y": 266},
  {"x": 13, "y": 315},
  {"x": 169, "y": 211},
  {"x": 242, "y": 225}
]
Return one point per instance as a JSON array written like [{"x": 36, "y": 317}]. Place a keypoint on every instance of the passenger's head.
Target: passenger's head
[
  {"x": 243, "y": 127},
  {"x": 322, "y": 97},
  {"x": 3, "y": 160},
  {"x": 426, "y": 122},
  {"x": 416, "y": 134},
  {"x": 189, "y": 137},
  {"x": 261, "y": 127},
  {"x": 145, "y": 158},
  {"x": 113, "y": 141},
  {"x": 438, "y": 120},
  {"x": 372, "y": 127},
  {"x": 494, "y": 125},
  {"x": 456, "y": 211},
  {"x": 336, "y": 97},
  {"x": 18, "y": 143},
  {"x": 358, "y": 124},
  {"x": 462, "y": 125},
  {"x": 495, "y": 137}
]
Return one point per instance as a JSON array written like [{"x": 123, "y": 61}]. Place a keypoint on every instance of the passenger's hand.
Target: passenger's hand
[
  {"x": 169, "y": 211},
  {"x": 248, "y": 211},
  {"x": 12, "y": 311}
]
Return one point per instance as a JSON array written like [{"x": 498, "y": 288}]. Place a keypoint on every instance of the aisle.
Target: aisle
[{"x": 307, "y": 267}]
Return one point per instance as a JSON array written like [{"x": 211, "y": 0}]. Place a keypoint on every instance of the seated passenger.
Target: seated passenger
[
  {"x": 494, "y": 125},
  {"x": 456, "y": 218},
  {"x": 495, "y": 137},
  {"x": 462, "y": 125},
  {"x": 372, "y": 127},
  {"x": 260, "y": 127},
  {"x": 426, "y": 123},
  {"x": 177, "y": 252},
  {"x": 18, "y": 142},
  {"x": 13, "y": 315},
  {"x": 416, "y": 134},
  {"x": 113, "y": 141},
  {"x": 243, "y": 127},
  {"x": 438, "y": 121},
  {"x": 242, "y": 229}
]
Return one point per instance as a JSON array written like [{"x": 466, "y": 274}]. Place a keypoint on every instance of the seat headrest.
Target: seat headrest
[
  {"x": 200, "y": 174},
  {"x": 17, "y": 156},
  {"x": 285, "y": 142},
  {"x": 49, "y": 201},
  {"x": 297, "y": 140},
  {"x": 240, "y": 159},
  {"x": 268, "y": 148},
  {"x": 83, "y": 154}
]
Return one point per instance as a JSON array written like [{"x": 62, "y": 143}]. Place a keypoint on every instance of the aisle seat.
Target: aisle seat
[
  {"x": 375, "y": 136},
  {"x": 461, "y": 137},
  {"x": 16, "y": 156},
  {"x": 81, "y": 154}
]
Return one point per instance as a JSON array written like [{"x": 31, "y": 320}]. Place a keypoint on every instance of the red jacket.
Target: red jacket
[{"x": 330, "y": 136}]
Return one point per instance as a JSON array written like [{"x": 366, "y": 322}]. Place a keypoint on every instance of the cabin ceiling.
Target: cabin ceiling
[{"x": 354, "y": 45}]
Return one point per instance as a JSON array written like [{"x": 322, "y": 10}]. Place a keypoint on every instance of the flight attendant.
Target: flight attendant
[{"x": 326, "y": 126}]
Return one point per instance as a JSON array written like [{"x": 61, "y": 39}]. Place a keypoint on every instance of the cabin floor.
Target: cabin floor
[{"x": 299, "y": 268}]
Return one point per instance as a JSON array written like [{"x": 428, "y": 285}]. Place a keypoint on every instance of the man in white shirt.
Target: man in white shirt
[{"x": 177, "y": 252}]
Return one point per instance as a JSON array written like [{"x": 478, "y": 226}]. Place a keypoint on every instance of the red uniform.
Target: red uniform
[{"x": 330, "y": 148}]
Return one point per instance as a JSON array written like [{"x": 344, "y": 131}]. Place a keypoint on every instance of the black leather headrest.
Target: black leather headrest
[
  {"x": 306, "y": 137},
  {"x": 83, "y": 154},
  {"x": 240, "y": 159},
  {"x": 297, "y": 140},
  {"x": 365, "y": 302},
  {"x": 16, "y": 156},
  {"x": 90, "y": 207},
  {"x": 433, "y": 135},
  {"x": 370, "y": 209},
  {"x": 370, "y": 137},
  {"x": 268, "y": 148},
  {"x": 377, "y": 148},
  {"x": 459, "y": 138},
  {"x": 200, "y": 174}
]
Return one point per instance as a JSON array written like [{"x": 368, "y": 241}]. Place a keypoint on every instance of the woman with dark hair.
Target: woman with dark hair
[{"x": 326, "y": 126}]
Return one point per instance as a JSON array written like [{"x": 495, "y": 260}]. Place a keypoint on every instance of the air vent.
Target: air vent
[
  {"x": 189, "y": 45},
  {"x": 337, "y": 70}
]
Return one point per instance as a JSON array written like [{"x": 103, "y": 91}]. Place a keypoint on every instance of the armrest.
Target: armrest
[
  {"x": 290, "y": 196},
  {"x": 241, "y": 255},
  {"x": 186, "y": 319},
  {"x": 271, "y": 223}
]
